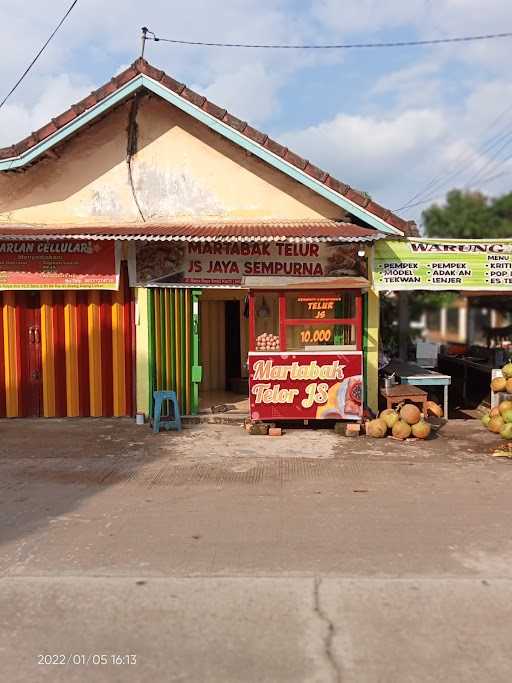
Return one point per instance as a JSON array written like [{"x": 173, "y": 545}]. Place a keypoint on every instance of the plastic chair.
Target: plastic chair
[{"x": 160, "y": 397}]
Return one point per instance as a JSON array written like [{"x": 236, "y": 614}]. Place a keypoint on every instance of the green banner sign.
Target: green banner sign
[{"x": 443, "y": 264}]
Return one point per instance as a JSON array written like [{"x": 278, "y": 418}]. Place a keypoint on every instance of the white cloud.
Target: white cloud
[
  {"x": 251, "y": 92},
  {"x": 18, "y": 120},
  {"x": 418, "y": 85},
  {"x": 372, "y": 153},
  {"x": 413, "y": 124},
  {"x": 427, "y": 19},
  {"x": 97, "y": 33},
  {"x": 358, "y": 15},
  {"x": 406, "y": 77},
  {"x": 419, "y": 154}
]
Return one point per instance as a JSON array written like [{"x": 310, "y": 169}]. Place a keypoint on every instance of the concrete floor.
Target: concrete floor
[
  {"x": 215, "y": 399},
  {"x": 212, "y": 555}
]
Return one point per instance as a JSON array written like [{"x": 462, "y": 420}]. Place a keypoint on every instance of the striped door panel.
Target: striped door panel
[
  {"x": 87, "y": 352},
  {"x": 171, "y": 344}
]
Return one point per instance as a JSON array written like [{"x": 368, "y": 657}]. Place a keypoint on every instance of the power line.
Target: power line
[
  {"x": 412, "y": 206},
  {"x": 495, "y": 176},
  {"x": 462, "y": 163},
  {"x": 447, "y": 178},
  {"x": 491, "y": 165},
  {"x": 341, "y": 46},
  {"x": 29, "y": 67},
  {"x": 439, "y": 187},
  {"x": 433, "y": 197}
]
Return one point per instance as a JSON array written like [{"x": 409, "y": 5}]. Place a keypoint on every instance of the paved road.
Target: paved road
[
  {"x": 215, "y": 556},
  {"x": 256, "y": 629}
]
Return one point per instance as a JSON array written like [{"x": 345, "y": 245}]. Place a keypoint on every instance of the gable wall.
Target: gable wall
[{"x": 182, "y": 170}]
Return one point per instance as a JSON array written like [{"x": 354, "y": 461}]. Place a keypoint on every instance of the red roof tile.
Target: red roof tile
[
  {"x": 234, "y": 122},
  {"x": 321, "y": 229},
  {"x": 143, "y": 67},
  {"x": 296, "y": 160}
]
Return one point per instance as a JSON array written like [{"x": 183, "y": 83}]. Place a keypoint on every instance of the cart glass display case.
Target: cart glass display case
[
  {"x": 266, "y": 322},
  {"x": 320, "y": 319}
]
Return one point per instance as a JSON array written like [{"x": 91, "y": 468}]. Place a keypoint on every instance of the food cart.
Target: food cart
[{"x": 306, "y": 350}]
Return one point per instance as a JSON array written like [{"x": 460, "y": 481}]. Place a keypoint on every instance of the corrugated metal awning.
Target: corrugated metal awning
[
  {"x": 348, "y": 282},
  {"x": 305, "y": 230}
]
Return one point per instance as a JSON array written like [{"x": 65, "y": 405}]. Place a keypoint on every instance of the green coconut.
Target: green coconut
[
  {"x": 376, "y": 428},
  {"x": 507, "y": 370},
  {"x": 401, "y": 430},
  {"x": 390, "y": 417},
  {"x": 486, "y": 419},
  {"x": 506, "y": 432},
  {"x": 410, "y": 414},
  {"x": 504, "y": 407},
  {"x": 496, "y": 424},
  {"x": 499, "y": 384},
  {"x": 422, "y": 429}
]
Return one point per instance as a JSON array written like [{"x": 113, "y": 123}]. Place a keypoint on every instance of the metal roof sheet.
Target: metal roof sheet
[{"x": 306, "y": 230}]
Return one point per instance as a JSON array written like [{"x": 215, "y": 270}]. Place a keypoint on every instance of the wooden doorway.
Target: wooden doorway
[{"x": 224, "y": 345}]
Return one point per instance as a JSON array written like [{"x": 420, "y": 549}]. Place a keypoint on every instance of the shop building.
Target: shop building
[{"x": 151, "y": 240}]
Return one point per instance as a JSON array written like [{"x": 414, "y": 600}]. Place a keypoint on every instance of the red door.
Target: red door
[{"x": 31, "y": 357}]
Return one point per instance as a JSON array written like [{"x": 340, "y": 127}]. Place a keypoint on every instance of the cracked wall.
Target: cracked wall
[{"x": 181, "y": 170}]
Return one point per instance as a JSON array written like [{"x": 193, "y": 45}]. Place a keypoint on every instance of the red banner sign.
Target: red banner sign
[
  {"x": 306, "y": 386},
  {"x": 58, "y": 264}
]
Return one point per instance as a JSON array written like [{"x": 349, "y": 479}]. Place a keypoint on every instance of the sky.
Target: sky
[{"x": 405, "y": 125}]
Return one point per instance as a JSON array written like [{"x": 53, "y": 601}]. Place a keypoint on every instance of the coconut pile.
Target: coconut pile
[
  {"x": 404, "y": 422},
  {"x": 499, "y": 419}
]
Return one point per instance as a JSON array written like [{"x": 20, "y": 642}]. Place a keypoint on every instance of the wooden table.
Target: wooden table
[{"x": 405, "y": 392}]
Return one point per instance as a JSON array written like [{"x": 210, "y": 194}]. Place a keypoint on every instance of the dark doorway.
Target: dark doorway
[{"x": 233, "y": 353}]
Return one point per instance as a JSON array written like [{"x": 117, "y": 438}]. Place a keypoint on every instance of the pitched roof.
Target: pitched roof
[
  {"x": 59, "y": 125},
  {"x": 322, "y": 230}
]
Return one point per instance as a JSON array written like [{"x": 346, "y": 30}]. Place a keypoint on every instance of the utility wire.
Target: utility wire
[
  {"x": 341, "y": 46},
  {"x": 491, "y": 166},
  {"x": 491, "y": 178},
  {"x": 433, "y": 197},
  {"x": 29, "y": 67},
  {"x": 462, "y": 163},
  {"x": 486, "y": 167},
  {"x": 441, "y": 188}
]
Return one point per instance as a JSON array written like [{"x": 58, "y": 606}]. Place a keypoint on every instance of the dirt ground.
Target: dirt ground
[
  {"x": 61, "y": 479},
  {"x": 215, "y": 555},
  {"x": 71, "y": 440}
]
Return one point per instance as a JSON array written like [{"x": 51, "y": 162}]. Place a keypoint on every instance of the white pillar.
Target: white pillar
[
  {"x": 443, "y": 322},
  {"x": 463, "y": 322}
]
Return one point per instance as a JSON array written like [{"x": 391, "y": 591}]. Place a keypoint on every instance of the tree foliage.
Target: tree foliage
[{"x": 470, "y": 215}]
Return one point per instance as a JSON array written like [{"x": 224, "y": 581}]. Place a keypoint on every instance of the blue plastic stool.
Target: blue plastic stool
[{"x": 160, "y": 397}]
